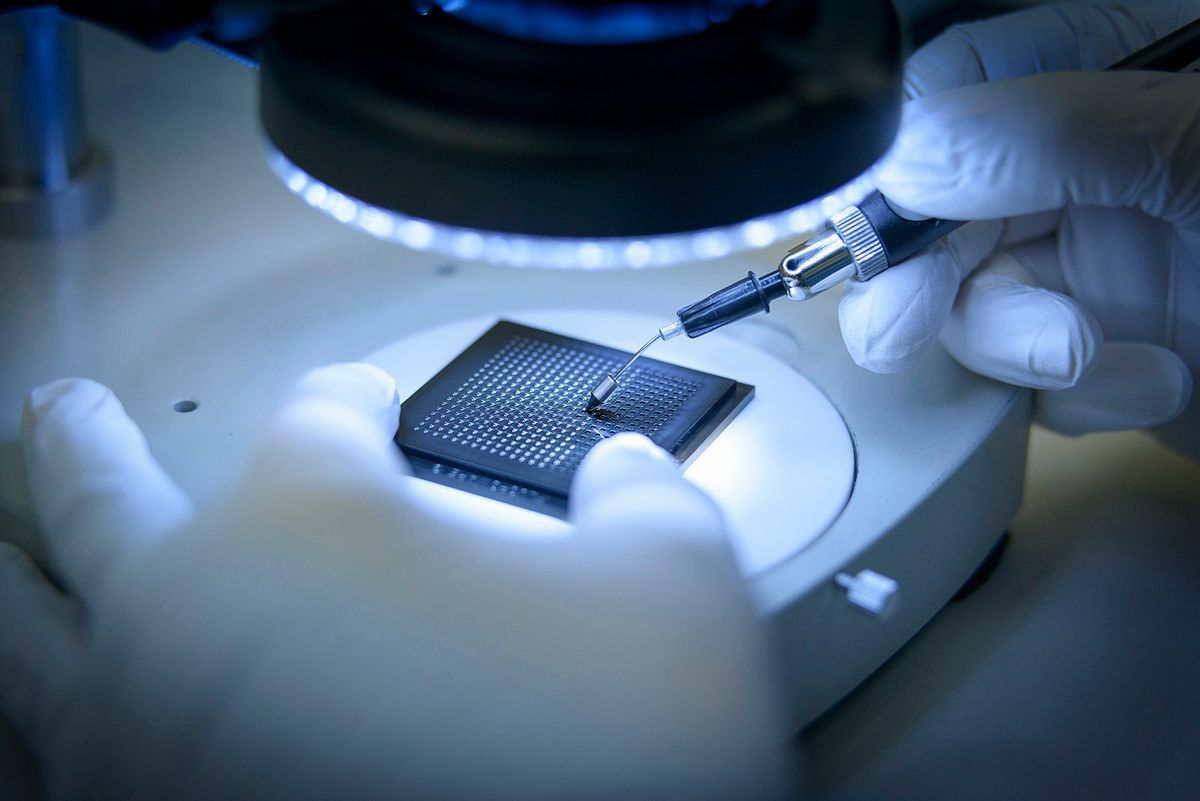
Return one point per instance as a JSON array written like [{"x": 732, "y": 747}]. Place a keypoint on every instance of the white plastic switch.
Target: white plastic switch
[{"x": 871, "y": 592}]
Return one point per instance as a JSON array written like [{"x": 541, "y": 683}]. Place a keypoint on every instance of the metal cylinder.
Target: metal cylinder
[
  {"x": 54, "y": 181},
  {"x": 820, "y": 262}
]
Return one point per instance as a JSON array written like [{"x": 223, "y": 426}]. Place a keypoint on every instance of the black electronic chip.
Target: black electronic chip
[{"x": 507, "y": 418}]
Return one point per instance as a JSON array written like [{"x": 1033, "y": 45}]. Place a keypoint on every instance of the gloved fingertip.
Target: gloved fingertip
[
  {"x": 1072, "y": 343},
  {"x": 1134, "y": 385},
  {"x": 97, "y": 490},
  {"x": 628, "y": 483},
  {"x": 1007, "y": 328},
  {"x": 621, "y": 459},
  {"x": 630, "y": 443},
  {"x": 337, "y": 424},
  {"x": 870, "y": 356},
  {"x": 65, "y": 397},
  {"x": 1061, "y": 342},
  {"x": 353, "y": 383},
  {"x": 344, "y": 393},
  {"x": 348, "y": 372},
  {"x": 1178, "y": 387},
  {"x": 1186, "y": 388}
]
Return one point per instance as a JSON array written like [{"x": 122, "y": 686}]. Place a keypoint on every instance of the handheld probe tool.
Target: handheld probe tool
[{"x": 859, "y": 241}]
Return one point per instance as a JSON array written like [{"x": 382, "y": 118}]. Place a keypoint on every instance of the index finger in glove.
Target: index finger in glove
[
  {"x": 1070, "y": 36},
  {"x": 1032, "y": 144},
  {"x": 337, "y": 425},
  {"x": 97, "y": 491}
]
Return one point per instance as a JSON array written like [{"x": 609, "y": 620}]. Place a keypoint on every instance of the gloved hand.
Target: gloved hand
[
  {"x": 321, "y": 634},
  {"x": 1084, "y": 278}
]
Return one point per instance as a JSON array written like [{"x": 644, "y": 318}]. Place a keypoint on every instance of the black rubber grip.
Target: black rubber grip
[
  {"x": 1175, "y": 52},
  {"x": 751, "y": 295},
  {"x": 902, "y": 238}
]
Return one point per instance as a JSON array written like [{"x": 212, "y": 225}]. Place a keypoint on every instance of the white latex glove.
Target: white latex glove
[
  {"x": 317, "y": 635},
  {"x": 1084, "y": 278}
]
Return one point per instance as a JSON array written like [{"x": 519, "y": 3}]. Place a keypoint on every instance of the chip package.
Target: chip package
[{"x": 507, "y": 418}]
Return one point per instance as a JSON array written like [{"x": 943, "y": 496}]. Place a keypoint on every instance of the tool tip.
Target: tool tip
[{"x": 601, "y": 392}]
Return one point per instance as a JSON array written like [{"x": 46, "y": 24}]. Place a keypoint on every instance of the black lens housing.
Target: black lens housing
[{"x": 433, "y": 117}]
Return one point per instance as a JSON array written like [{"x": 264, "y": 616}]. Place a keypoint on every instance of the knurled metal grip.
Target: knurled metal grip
[{"x": 861, "y": 240}]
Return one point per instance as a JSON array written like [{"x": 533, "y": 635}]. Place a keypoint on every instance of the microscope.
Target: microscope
[{"x": 529, "y": 140}]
